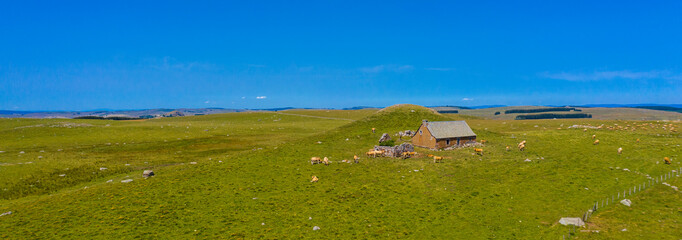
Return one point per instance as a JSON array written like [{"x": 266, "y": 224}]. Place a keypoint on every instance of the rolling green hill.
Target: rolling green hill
[{"x": 255, "y": 183}]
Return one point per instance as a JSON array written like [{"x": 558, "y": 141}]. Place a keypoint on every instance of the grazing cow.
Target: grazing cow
[
  {"x": 479, "y": 151},
  {"x": 594, "y": 136},
  {"x": 596, "y": 142},
  {"x": 371, "y": 154},
  {"x": 429, "y": 155},
  {"x": 522, "y": 147},
  {"x": 483, "y": 141},
  {"x": 638, "y": 140},
  {"x": 315, "y": 160},
  {"x": 667, "y": 160},
  {"x": 374, "y": 130},
  {"x": 585, "y": 130},
  {"x": 437, "y": 159},
  {"x": 326, "y": 161},
  {"x": 507, "y": 148},
  {"x": 356, "y": 158},
  {"x": 413, "y": 153},
  {"x": 522, "y": 143},
  {"x": 314, "y": 179},
  {"x": 620, "y": 150}
]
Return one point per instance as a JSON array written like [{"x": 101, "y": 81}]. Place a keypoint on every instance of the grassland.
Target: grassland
[
  {"x": 255, "y": 183},
  {"x": 597, "y": 113}
]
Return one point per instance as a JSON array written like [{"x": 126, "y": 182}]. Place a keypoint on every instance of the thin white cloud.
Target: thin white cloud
[
  {"x": 439, "y": 69},
  {"x": 261, "y": 97},
  {"x": 467, "y": 99},
  {"x": 608, "y": 75},
  {"x": 387, "y": 68},
  {"x": 207, "y": 102},
  {"x": 243, "y": 97}
]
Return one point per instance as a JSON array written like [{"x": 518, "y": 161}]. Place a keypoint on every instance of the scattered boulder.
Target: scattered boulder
[
  {"x": 527, "y": 160},
  {"x": 572, "y": 221},
  {"x": 626, "y": 202},
  {"x": 315, "y": 228},
  {"x": 10, "y": 212},
  {"x": 384, "y": 137},
  {"x": 148, "y": 173},
  {"x": 127, "y": 181}
]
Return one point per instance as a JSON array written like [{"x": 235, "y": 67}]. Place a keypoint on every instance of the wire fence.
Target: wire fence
[{"x": 618, "y": 197}]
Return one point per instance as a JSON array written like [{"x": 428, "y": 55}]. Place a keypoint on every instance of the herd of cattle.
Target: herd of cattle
[{"x": 436, "y": 159}]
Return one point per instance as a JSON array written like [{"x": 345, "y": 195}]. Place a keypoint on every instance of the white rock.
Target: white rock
[
  {"x": 193, "y": 163},
  {"x": 625, "y": 169},
  {"x": 62, "y": 175},
  {"x": 39, "y": 157},
  {"x": 127, "y": 181},
  {"x": 572, "y": 221},
  {"x": 624, "y": 229},
  {"x": 310, "y": 218},
  {"x": 262, "y": 224},
  {"x": 7, "y": 213},
  {"x": 626, "y": 202},
  {"x": 22, "y": 152},
  {"x": 315, "y": 228},
  {"x": 102, "y": 168},
  {"x": 110, "y": 180}
]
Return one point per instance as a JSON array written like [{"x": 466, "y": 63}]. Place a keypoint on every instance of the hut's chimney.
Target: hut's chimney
[{"x": 425, "y": 122}]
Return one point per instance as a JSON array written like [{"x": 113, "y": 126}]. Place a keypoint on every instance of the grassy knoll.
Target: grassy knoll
[{"x": 268, "y": 194}]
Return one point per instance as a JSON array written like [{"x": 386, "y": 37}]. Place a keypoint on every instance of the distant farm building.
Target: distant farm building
[{"x": 445, "y": 134}]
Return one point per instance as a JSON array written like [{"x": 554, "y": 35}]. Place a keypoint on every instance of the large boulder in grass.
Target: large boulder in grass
[
  {"x": 384, "y": 137},
  {"x": 572, "y": 221},
  {"x": 148, "y": 173}
]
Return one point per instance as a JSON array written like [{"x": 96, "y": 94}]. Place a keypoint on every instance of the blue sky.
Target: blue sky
[{"x": 79, "y": 55}]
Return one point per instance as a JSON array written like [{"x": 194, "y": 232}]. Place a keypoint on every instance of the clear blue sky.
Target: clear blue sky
[{"x": 69, "y": 55}]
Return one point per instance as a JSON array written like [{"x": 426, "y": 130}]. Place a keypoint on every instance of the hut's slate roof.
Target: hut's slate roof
[{"x": 449, "y": 129}]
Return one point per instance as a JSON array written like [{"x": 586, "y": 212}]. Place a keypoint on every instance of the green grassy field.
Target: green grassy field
[
  {"x": 597, "y": 113},
  {"x": 255, "y": 183}
]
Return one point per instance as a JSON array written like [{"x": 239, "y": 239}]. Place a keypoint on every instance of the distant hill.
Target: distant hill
[{"x": 143, "y": 113}]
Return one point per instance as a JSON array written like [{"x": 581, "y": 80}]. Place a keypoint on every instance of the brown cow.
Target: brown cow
[
  {"x": 507, "y": 148},
  {"x": 483, "y": 141},
  {"x": 314, "y": 179},
  {"x": 374, "y": 130},
  {"x": 522, "y": 147},
  {"x": 596, "y": 142},
  {"x": 315, "y": 160},
  {"x": 620, "y": 150},
  {"x": 356, "y": 158},
  {"x": 326, "y": 161},
  {"x": 479, "y": 151},
  {"x": 437, "y": 159},
  {"x": 594, "y": 136},
  {"x": 667, "y": 160}
]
